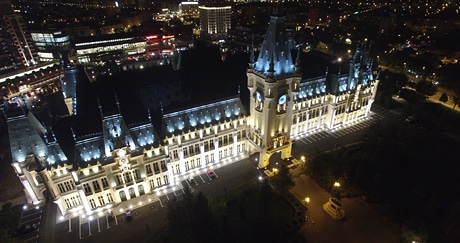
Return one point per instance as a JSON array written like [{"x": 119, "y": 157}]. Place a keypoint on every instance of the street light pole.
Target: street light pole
[{"x": 336, "y": 190}]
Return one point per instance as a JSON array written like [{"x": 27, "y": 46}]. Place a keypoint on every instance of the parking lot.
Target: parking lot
[
  {"x": 29, "y": 225},
  {"x": 89, "y": 226}
]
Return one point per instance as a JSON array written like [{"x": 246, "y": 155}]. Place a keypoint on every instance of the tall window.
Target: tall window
[
  {"x": 75, "y": 201},
  {"x": 192, "y": 163},
  {"x": 127, "y": 177},
  {"x": 152, "y": 184},
  {"x": 148, "y": 169},
  {"x": 206, "y": 146},
  {"x": 109, "y": 197},
  {"x": 92, "y": 203},
  {"x": 105, "y": 182},
  {"x": 177, "y": 168},
  {"x": 61, "y": 187},
  {"x": 96, "y": 186},
  {"x": 119, "y": 179},
  {"x": 159, "y": 181},
  {"x": 101, "y": 200},
  {"x": 156, "y": 168},
  {"x": 163, "y": 166},
  {"x": 136, "y": 174},
  {"x": 211, "y": 145},
  {"x": 87, "y": 189},
  {"x": 67, "y": 203},
  {"x": 68, "y": 185}
]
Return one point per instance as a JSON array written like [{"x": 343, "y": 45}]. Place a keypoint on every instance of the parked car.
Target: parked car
[
  {"x": 129, "y": 216},
  {"x": 25, "y": 229},
  {"x": 211, "y": 174},
  {"x": 191, "y": 180}
]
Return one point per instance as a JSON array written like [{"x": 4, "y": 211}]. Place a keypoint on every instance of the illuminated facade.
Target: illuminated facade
[
  {"x": 87, "y": 47},
  {"x": 51, "y": 45},
  {"x": 215, "y": 21},
  {"x": 17, "y": 50},
  {"x": 121, "y": 159},
  {"x": 285, "y": 106}
]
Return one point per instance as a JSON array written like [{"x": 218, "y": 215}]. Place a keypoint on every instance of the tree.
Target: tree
[
  {"x": 414, "y": 231},
  {"x": 456, "y": 97},
  {"x": 426, "y": 88},
  {"x": 443, "y": 98},
  {"x": 283, "y": 180}
]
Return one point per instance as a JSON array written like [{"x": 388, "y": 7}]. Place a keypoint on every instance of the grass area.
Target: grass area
[{"x": 9, "y": 221}]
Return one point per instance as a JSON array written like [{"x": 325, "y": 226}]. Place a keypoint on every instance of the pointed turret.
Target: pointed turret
[
  {"x": 252, "y": 63},
  {"x": 275, "y": 47},
  {"x": 297, "y": 60}
]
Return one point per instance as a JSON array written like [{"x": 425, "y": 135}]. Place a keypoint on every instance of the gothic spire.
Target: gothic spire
[
  {"x": 297, "y": 60},
  {"x": 150, "y": 117},
  {"x": 99, "y": 105}
]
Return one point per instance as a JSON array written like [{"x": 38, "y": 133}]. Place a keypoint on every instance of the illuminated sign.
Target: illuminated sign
[{"x": 151, "y": 37}]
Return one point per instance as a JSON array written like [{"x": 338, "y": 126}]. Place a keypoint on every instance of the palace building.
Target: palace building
[{"x": 104, "y": 148}]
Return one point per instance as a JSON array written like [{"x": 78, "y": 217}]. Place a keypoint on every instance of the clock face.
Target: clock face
[
  {"x": 282, "y": 99},
  {"x": 258, "y": 96}
]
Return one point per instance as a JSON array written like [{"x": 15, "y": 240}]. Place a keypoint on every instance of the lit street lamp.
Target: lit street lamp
[
  {"x": 307, "y": 200},
  {"x": 336, "y": 190},
  {"x": 303, "y": 160}
]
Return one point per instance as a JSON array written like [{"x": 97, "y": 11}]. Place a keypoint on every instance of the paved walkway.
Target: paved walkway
[{"x": 363, "y": 222}]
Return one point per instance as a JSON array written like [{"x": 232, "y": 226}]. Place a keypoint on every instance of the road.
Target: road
[{"x": 435, "y": 97}]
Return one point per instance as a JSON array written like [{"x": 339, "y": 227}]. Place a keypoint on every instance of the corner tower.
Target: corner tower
[{"x": 273, "y": 82}]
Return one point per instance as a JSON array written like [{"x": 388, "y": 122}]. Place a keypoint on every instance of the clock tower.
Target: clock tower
[{"x": 273, "y": 82}]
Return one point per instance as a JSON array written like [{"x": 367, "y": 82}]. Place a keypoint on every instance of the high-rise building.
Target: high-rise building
[
  {"x": 214, "y": 20},
  {"x": 17, "y": 50},
  {"x": 108, "y": 154}
]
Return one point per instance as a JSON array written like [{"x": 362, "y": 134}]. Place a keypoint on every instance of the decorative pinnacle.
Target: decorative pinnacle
[
  {"x": 271, "y": 68},
  {"x": 297, "y": 60}
]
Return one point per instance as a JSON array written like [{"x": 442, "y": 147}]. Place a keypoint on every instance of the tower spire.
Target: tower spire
[
  {"x": 297, "y": 60},
  {"x": 251, "y": 57},
  {"x": 150, "y": 117},
  {"x": 99, "y": 105},
  {"x": 117, "y": 102}
]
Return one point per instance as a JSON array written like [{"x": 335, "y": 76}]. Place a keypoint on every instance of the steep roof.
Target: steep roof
[
  {"x": 275, "y": 49},
  {"x": 203, "y": 115}
]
